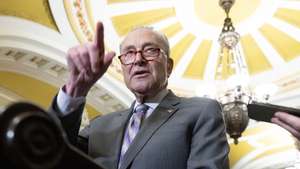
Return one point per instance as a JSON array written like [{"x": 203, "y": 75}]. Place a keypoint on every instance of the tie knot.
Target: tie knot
[{"x": 142, "y": 108}]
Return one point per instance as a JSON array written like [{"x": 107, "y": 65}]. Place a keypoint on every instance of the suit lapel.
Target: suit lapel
[
  {"x": 124, "y": 119},
  {"x": 159, "y": 116}
]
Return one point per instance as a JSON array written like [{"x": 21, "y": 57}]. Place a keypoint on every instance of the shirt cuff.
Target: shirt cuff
[{"x": 66, "y": 104}]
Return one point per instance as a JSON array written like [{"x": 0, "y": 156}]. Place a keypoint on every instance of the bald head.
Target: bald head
[{"x": 159, "y": 36}]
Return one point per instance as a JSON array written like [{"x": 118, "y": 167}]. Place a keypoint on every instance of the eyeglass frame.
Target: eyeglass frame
[{"x": 142, "y": 54}]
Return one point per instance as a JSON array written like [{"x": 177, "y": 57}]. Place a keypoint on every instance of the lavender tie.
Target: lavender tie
[{"x": 133, "y": 128}]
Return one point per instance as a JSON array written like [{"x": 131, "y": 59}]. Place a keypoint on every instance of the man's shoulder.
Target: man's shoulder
[{"x": 198, "y": 100}]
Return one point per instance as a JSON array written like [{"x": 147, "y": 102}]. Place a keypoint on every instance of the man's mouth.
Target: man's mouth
[{"x": 141, "y": 73}]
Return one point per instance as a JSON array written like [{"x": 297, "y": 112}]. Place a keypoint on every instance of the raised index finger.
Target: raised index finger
[{"x": 99, "y": 37}]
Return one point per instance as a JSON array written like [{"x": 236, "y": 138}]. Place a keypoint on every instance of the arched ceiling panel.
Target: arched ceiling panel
[
  {"x": 35, "y": 10},
  {"x": 178, "y": 50},
  {"x": 289, "y": 15},
  {"x": 254, "y": 55},
  {"x": 29, "y": 89},
  {"x": 172, "y": 29},
  {"x": 126, "y": 22},
  {"x": 286, "y": 46},
  {"x": 239, "y": 13},
  {"x": 196, "y": 67},
  {"x": 33, "y": 90}
]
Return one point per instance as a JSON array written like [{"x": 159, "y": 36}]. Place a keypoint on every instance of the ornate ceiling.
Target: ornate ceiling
[{"x": 36, "y": 34}]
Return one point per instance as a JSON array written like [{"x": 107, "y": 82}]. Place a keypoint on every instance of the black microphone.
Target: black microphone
[{"x": 31, "y": 138}]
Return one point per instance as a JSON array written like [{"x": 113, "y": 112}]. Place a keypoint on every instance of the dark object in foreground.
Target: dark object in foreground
[
  {"x": 265, "y": 111},
  {"x": 31, "y": 138}
]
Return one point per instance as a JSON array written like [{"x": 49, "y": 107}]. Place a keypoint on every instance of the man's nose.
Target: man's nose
[{"x": 139, "y": 58}]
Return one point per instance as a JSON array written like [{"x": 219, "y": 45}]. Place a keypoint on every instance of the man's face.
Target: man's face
[{"x": 145, "y": 77}]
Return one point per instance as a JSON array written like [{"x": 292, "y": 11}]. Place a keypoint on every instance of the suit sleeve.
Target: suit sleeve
[
  {"x": 71, "y": 124},
  {"x": 209, "y": 146}
]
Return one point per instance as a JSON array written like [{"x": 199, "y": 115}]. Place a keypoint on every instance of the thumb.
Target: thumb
[{"x": 108, "y": 58}]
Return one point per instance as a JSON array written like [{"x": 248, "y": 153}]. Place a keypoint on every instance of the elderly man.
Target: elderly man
[{"x": 159, "y": 130}]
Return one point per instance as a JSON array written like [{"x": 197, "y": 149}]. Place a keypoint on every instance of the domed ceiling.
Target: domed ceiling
[{"x": 35, "y": 36}]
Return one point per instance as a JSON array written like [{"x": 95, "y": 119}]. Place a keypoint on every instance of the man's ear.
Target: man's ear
[{"x": 170, "y": 66}]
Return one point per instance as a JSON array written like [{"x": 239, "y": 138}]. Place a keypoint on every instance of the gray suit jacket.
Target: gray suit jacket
[{"x": 181, "y": 133}]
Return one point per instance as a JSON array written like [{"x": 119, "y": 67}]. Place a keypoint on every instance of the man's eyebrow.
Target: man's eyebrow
[
  {"x": 143, "y": 46},
  {"x": 129, "y": 47},
  {"x": 149, "y": 44}
]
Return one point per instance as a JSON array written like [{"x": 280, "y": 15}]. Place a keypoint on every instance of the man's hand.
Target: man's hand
[
  {"x": 290, "y": 122},
  {"x": 87, "y": 63}
]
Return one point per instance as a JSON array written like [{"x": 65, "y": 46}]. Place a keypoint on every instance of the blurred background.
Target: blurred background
[{"x": 36, "y": 34}]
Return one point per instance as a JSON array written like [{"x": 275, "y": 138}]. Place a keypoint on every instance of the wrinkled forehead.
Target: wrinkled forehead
[{"x": 140, "y": 38}]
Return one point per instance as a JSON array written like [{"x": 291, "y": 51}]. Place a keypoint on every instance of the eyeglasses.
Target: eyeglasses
[{"x": 148, "y": 54}]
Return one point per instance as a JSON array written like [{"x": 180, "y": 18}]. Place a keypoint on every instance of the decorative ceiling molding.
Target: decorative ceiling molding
[{"x": 79, "y": 20}]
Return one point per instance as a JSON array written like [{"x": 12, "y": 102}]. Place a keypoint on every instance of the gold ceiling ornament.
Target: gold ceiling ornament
[
  {"x": 79, "y": 20},
  {"x": 226, "y": 5}
]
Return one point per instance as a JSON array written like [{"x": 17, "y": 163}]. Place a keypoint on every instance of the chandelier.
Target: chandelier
[
  {"x": 235, "y": 95},
  {"x": 239, "y": 102}
]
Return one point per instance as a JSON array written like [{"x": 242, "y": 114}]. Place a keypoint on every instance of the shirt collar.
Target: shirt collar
[{"x": 154, "y": 101}]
